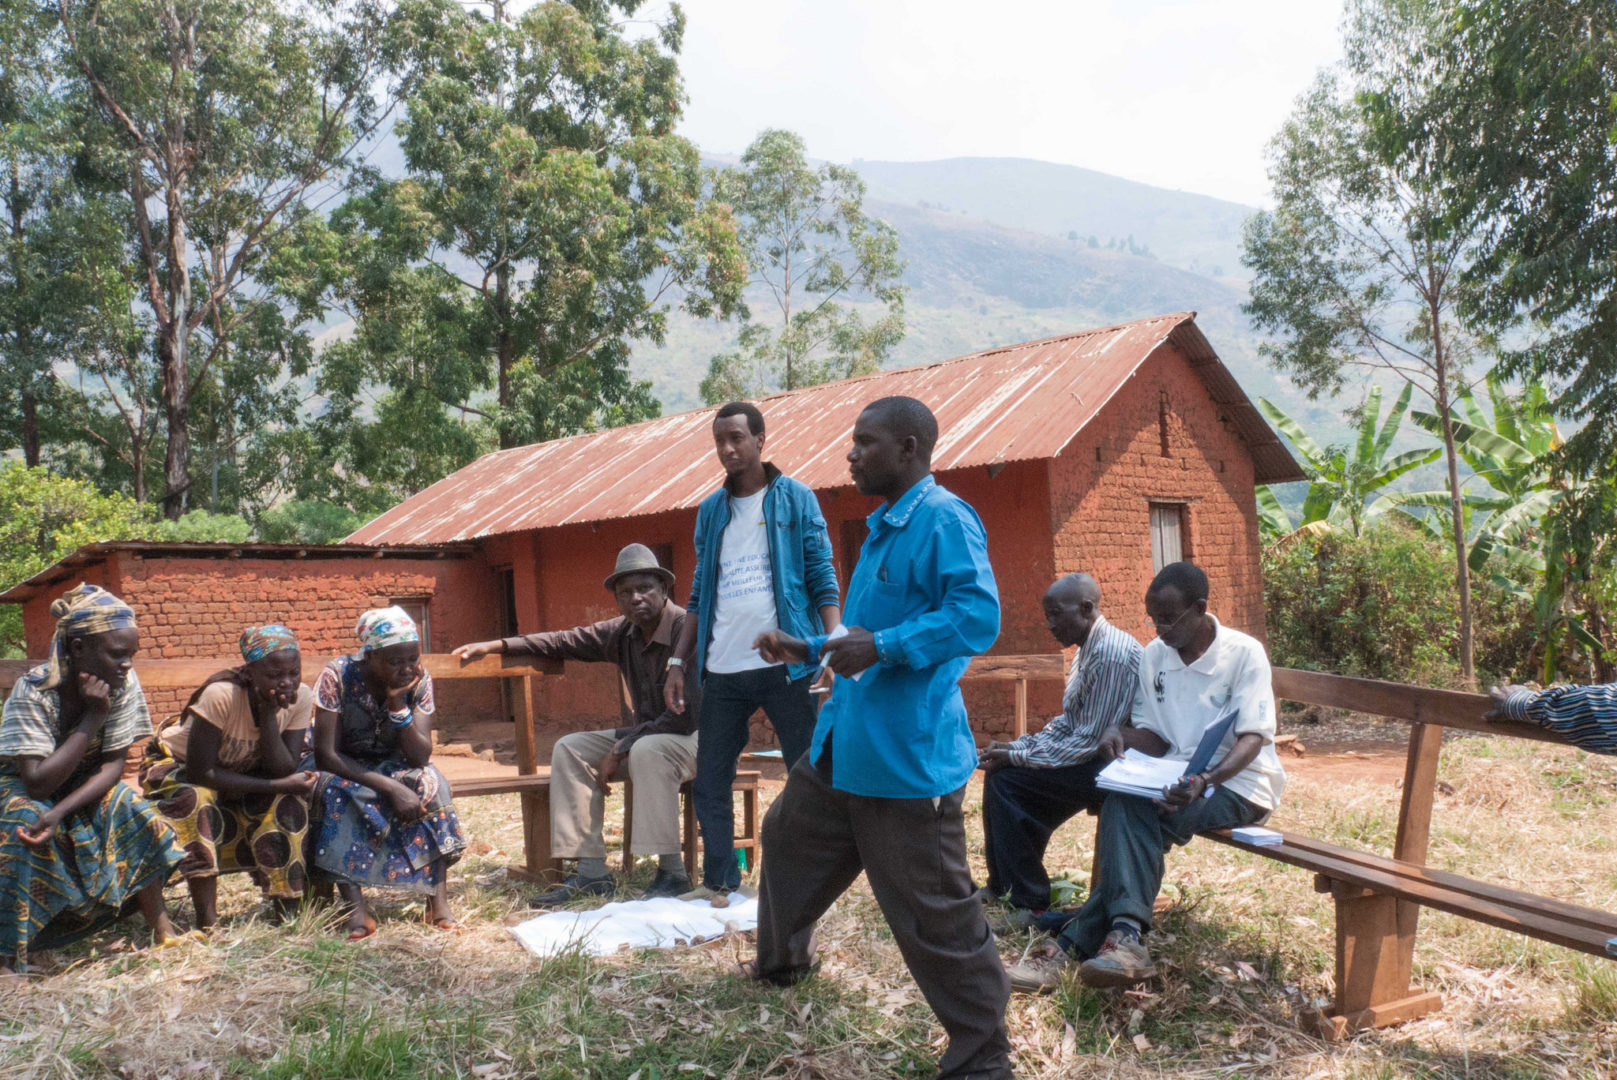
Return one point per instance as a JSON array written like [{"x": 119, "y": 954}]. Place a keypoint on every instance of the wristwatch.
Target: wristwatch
[{"x": 674, "y": 661}]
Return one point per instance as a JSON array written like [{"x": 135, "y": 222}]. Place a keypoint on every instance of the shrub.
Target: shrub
[{"x": 1383, "y": 606}]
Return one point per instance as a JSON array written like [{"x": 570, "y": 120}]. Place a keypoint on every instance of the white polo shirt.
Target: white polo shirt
[{"x": 1178, "y": 702}]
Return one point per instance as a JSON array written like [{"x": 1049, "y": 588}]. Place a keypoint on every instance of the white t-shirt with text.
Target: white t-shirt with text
[
  {"x": 744, "y": 602},
  {"x": 1179, "y": 702}
]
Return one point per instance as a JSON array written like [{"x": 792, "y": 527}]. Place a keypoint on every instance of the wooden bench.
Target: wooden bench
[{"x": 1378, "y": 898}]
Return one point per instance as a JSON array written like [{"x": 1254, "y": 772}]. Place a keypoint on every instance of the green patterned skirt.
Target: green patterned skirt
[{"x": 86, "y": 877}]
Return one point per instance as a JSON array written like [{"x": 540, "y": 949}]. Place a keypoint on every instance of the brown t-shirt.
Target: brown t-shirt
[{"x": 229, "y": 708}]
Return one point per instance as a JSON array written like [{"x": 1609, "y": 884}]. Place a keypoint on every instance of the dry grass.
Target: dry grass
[{"x": 1248, "y": 944}]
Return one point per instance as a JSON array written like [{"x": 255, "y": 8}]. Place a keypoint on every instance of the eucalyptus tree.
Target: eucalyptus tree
[
  {"x": 548, "y": 217},
  {"x": 816, "y": 262},
  {"x": 225, "y": 124},
  {"x": 1363, "y": 259}
]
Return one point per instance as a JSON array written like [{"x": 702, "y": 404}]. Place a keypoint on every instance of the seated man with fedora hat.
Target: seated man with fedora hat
[{"x": 655, "y": 748}]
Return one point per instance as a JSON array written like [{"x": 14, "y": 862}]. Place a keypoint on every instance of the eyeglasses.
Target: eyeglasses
[{"x": 1161, "y": 626}]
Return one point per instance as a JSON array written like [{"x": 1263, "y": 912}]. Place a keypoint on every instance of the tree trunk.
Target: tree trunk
[
  {"x": 177, "y": 413},
  {"x": 29, "y": 436},
  {"x": 505, "y": 347},
  {"x": 173, "y": 343},
  {"x": 30, "y": 429}
]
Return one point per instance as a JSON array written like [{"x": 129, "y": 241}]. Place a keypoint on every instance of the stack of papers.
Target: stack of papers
[
  {"x": 1140, "y": 774},
  {"x": 1257, "y": 835}
]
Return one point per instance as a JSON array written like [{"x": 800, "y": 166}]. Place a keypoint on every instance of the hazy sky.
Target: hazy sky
[{"x": 1178, "y": 93}]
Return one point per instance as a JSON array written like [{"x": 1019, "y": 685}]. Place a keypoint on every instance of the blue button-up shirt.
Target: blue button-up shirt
[{"x": 924, "y": 586}]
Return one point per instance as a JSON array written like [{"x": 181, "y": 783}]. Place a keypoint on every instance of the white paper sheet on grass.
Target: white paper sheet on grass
[{"x": 635, "y": 924}]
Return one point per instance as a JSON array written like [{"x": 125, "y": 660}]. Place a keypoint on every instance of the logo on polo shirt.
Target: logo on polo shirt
[{"x": 1156, "y": 684}]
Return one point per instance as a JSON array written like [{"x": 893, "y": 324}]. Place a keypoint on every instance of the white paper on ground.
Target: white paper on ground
[{"x": 635, "y": 924}]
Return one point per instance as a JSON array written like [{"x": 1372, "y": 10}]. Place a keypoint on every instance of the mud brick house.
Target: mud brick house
[{"x": 1111, "y": 451}]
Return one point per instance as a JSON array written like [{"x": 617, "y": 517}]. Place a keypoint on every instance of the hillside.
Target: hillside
[
  {"x": 975, "y": 284},
  {"x": 1195, "y": 232}
]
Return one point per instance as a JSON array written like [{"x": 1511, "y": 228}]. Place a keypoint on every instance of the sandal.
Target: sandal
[
  {"x": 448, "y": 924},
  {"x": 362, "y": 932}
]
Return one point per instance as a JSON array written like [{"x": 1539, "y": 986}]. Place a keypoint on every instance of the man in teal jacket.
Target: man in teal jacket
[{"x": 763, "y": 563}]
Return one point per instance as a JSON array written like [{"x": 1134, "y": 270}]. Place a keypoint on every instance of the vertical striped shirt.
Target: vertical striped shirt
[
  {"x": 1100, "y": 693},
  {"x": 1584, "y": 716}
]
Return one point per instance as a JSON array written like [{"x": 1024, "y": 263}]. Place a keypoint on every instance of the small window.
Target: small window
[
  {"x": 1167, "y": 534},
  {"x": 416, "y": 607},
  {"x": 853, "y": 533}
]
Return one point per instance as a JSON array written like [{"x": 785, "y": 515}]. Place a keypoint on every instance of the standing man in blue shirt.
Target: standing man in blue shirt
[
  {"x": 881, "y": 788},
  {"x": 763, "y": 563}
]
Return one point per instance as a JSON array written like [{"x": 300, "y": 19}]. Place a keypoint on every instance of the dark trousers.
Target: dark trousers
[
  {"x": 1023, "y": 806},
  {"x": 1134, "y": 836},
  {"x": 723, "y": 727},
  {"x": 816, "y": 840}
]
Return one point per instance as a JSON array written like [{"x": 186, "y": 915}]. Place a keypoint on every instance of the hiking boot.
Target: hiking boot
[
  {"x": 713, "y": 896},
  {"x": 1040, "y": 973},
  {"x": 666, "y": 883},
  {"x": 572, "y": 888},
  {"x": 1021, "y": 918},
  {"x": 1122, "y": 961}
]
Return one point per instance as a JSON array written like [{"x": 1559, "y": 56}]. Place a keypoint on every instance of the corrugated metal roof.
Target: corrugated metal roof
[
  {"x": 89, "y": 554},
  {"x": 1013, "y": 403}
]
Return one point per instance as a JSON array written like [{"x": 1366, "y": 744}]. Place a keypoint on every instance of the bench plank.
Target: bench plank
[{"x": 1584, "y": 929}]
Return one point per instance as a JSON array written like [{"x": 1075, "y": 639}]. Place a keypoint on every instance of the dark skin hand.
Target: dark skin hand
[
  {"x": 275, "y": 680},
  {"x": 847, "y": 656},
  {"x": 1243, "y": 753},
  {"x": 391, "y": 674}
]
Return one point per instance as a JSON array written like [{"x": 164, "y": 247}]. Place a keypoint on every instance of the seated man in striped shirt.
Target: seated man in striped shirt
[
  {"x": 1038, "y": 781},
  {"x": 1585, "y": 716}
]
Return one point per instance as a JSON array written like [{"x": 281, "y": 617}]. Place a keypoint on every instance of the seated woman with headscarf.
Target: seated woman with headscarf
[
  {"x": 77, "y": 845},
  {"x": 224, "y": 774},
  {"x": 385, "y": 819}
]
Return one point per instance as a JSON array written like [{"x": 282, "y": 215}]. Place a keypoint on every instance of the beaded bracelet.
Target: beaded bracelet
[{"x": 400, "y": 719}]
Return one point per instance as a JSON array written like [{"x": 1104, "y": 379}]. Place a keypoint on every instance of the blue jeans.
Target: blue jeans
[{"x": 723, "y": 727}]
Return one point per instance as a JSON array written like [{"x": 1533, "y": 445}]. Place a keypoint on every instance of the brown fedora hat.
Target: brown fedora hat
[{"x": 638, "y": 559}]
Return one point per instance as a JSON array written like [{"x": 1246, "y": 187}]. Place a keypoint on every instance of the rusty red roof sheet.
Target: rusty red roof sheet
[{"x": 1013, "y": 403}]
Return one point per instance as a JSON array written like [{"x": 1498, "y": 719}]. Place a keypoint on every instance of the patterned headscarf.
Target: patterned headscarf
[
  {"x": 82, "y": 611},
  {"x": 258, "y": 642},
  {"x": 381, "y": 627}
]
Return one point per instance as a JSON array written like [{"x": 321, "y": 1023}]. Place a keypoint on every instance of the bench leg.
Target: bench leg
[
  {"x": 539, "y": 867},
  {"x": 628, "y": 826},
  {"x": 1375, "y": 949},
  {"x": 693, "y": 868}
]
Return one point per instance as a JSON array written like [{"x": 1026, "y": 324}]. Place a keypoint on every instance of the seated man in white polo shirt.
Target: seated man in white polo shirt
[{"x": 1190, "y": 676}]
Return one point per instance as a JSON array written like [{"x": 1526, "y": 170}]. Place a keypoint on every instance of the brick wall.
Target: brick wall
[
  {"x": 197, "y": 607},
  {"x": 1103, "y": 483}
]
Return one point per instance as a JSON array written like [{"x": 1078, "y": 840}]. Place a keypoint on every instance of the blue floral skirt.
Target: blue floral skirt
[
  {"x": 359, "y": 840},
  {"x": 86, "y": 877}
]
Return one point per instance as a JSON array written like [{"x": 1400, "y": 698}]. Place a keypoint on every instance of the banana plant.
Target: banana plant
[
  {"x": 1339, "y": 484},
  {"x": 1510, "y": 455}
]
